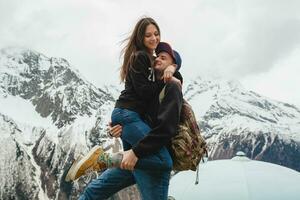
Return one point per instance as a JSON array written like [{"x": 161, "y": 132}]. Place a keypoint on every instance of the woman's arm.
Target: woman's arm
[
  {"x": 169, "y": 72},
  {"x": 141, "y": 76}
]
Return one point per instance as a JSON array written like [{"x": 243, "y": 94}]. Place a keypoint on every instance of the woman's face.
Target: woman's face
[{"x": 151, "y": 38}]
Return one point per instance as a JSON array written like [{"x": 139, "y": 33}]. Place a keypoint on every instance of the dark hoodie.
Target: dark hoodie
[{"x": 141, "y": 94}]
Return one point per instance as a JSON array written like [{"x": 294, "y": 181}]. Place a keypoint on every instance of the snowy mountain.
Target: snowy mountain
[
  {"x": 18, "y": 174},
  {"x": 49, "y": 114},
  {"x": 234, "y": 119},
  {"x": 55, "y": 89}
]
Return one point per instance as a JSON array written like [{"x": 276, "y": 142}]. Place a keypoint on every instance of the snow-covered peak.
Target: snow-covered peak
[
  {"x": 203, "y": 84},
  {"x": 114, "y": 90},
  {"x": 224, "y": 106},
  {"x": 57, "y": 115},
  {"x": 49, "y": 114},
  {"x": 14, "y": 51},
  {"x": 54, "y": 89},
  {"x": 205, "y": 93},
  {"x": 21, "y": 60}
]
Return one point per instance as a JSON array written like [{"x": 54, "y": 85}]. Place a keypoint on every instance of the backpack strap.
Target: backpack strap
[
  {"x": 197, "y": 175},
  {"x": 197, "y": 172},
  {"x": 162, "y": 94}
]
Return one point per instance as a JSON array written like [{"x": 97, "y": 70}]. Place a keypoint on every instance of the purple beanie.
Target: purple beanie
[{"x": 165, "y": 47}]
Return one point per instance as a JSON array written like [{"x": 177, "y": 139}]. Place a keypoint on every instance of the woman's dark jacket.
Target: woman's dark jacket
[{"x": 141, "y": 95}]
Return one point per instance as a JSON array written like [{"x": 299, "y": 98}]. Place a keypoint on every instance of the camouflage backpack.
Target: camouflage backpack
[{"x": 188, "y": 146}]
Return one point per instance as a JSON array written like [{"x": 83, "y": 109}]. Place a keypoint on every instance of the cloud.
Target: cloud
[
  {"x": 269, "y": 33},
  {"x": 248, "y": 37},
  {"x": 280, "y": 82},
  {"x": 234, "y": 38}
]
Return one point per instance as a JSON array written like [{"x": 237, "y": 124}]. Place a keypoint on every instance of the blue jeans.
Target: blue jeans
[
  {"x": 151, "y": 173},
  {"x": 135, "y": 129}
]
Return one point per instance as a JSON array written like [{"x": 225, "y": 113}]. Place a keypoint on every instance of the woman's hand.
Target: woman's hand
[
  {"x": 114, "y": 131},
  {"x": 129, "y": 160},
  {"x": 168, "y": 72}
]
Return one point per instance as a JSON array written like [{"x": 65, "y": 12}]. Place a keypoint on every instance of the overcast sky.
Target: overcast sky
[{"x": 254, "y": 41}]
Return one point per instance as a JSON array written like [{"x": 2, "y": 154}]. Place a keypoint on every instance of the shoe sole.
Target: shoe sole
[
  {"x": 78, "y": 165},
  {"x": 71, "y": 168}
]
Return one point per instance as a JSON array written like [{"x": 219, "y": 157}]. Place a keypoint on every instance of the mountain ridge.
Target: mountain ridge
[{"x": 38, "y": 90}]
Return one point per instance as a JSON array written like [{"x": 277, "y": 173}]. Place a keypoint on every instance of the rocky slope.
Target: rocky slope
[
  {"x": 234, "y": 119},
  {"x": 49, "y": 114}
]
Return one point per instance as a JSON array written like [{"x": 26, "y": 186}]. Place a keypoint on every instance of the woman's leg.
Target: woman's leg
[{"x": 135, "y": 129}]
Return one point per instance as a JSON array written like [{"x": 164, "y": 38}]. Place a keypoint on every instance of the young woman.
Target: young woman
[{"x": 151, "y": 169}]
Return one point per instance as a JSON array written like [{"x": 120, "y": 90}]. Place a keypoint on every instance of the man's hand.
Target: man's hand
[
  {"x": 129, "y": 160},
  {"x": 168, "y": 72},
  {"x": 114, "y": 131}
]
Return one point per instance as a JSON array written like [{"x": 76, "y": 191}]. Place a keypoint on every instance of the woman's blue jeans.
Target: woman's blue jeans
[{"x": 151, "y": 173}]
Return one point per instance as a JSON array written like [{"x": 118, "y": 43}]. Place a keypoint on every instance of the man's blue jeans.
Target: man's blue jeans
[{"x": 151, "y": 173}]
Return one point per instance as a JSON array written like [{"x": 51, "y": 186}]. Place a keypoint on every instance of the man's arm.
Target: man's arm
[
  {"x": 167, "y": 123},
  {"x": 168, "y": 119}
]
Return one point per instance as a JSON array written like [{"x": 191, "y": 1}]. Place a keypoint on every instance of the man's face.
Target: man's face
[{"x": 162, "y": 61}]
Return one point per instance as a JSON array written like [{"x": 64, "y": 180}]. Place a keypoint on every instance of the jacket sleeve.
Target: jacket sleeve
[
  {"x": 140, "y": 74},
  {"x": 178, "y": 75},
  {"x": 167, "y": 123}
]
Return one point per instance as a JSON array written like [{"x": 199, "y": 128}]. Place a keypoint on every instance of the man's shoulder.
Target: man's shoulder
[
  {"x": 171, "y": 93},
  {"x": 172, "y": 86}
]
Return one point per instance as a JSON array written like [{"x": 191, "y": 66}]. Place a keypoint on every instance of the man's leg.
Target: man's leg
[
  {"x": 108, "y": 183},
  {"x": 154, "y": 182},
  {"x": 153, "y": 185}
]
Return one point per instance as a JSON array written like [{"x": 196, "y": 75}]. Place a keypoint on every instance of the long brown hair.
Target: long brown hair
[{"x": 135, "y": 43}]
